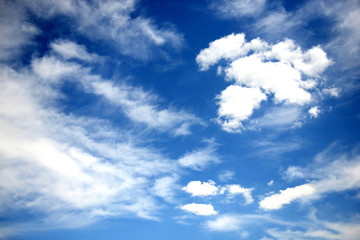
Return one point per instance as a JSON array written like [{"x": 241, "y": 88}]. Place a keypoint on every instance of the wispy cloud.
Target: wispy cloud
[{"x": 329, "y": 173}]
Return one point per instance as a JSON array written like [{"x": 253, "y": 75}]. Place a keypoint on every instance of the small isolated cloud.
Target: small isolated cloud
[
  {"x": 314, "y": 111},
  {"x": 333, "y": 92},
  {"x": 199, "y": 209},
  {"x": 259, "y": 72},
  {"x": 226, "y": 175},
  {"x": 270, "y": 183},
  {"x": 197, "y": 188},
  {"x": 236, "y": 189},
  {"x": 224, "y": 223},
  {"x": 200, "y": 158}
]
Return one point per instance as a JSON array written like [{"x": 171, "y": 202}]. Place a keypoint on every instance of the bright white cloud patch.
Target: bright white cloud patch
[
  {"x": 276, "y": 201},
  {"x": 260, "y": 71},
  {"x": 314, "y": 111},
  {"x": 197, "y": 188},
  {"x": 199, "y": 209},
  {"x": 237, "y": 104},
  {"x": 335, "y": 174}
]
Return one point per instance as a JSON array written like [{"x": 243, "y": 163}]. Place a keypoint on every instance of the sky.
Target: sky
[{"x": 160, "y": 119}]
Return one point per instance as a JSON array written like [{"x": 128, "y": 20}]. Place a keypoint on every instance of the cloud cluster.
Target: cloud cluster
[{"x": 260, "y": 71}]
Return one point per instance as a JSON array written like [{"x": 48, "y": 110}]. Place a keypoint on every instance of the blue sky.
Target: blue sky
[{"x": 184, "y": 119}]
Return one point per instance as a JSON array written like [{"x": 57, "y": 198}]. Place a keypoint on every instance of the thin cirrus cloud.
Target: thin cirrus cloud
[
  {"x": 77, "y": 163},
  {"x": 106, "y": 20},
  {"x": 138, "y": 105},
  {"x": 261, "y": 72},
  {"x": 227, "y": 9}
]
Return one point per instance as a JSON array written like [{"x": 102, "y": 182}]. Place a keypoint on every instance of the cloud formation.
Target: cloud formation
[
  {"x": 328, "y": 174},
  {"x": 260, "y": 71}
]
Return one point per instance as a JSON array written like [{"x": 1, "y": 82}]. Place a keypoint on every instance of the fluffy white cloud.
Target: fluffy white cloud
[
  {"x": 276, "y": 201},
  {"x": 261, "y": 71},
  {"x": 237, "y": 104},
  {"x": 229, "y": 48},
  {"x": 197, "y": 188},
  {"x": 199, "y": 209},
  {"x": 329, "y": 173},
  {"x": 200, "y": 158},
  {"x": 314, "y": 111}
]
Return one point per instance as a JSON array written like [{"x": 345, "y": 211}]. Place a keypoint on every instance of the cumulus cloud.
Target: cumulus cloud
[
  {"x": 329, "y": 174},
  {"x": 314, "y": 111},
  {"x": 237, "y": 104},
  {"x": 197, "y": 188},
  {"x": 199, "y": 209},
  {"x": 260, "y": 71}
]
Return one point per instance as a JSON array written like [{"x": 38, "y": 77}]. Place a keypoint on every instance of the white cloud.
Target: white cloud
[
  {"x": 200, "y": 158},
  {"x": 199, "y": 209},
  {"x": 105, "y": 21},
  {"x": 235, "y": 189},
  {"x": 276, "y": 201},
  {"x": 314, "y": 111},
  {"x": 237, "y": 8},
  {"x": 261, "y": 71},
  {"x": 270, "y": 183},
  {"x": 226, "y": 175},
  {"x": 69, "y": 50},
  {"x": 80, "y": 168},
  {"x": 334, "y": 92},
  {"x": 197, "y": 188},
  {"x": 237, "y": 104},
  {"x": 165, "y": 187},
  {"x": 224, "y": 223},
  {"x": 329, "y": 173},
  {"x": 16, "y": 31},
  {"x": 229, "y": 48}
]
